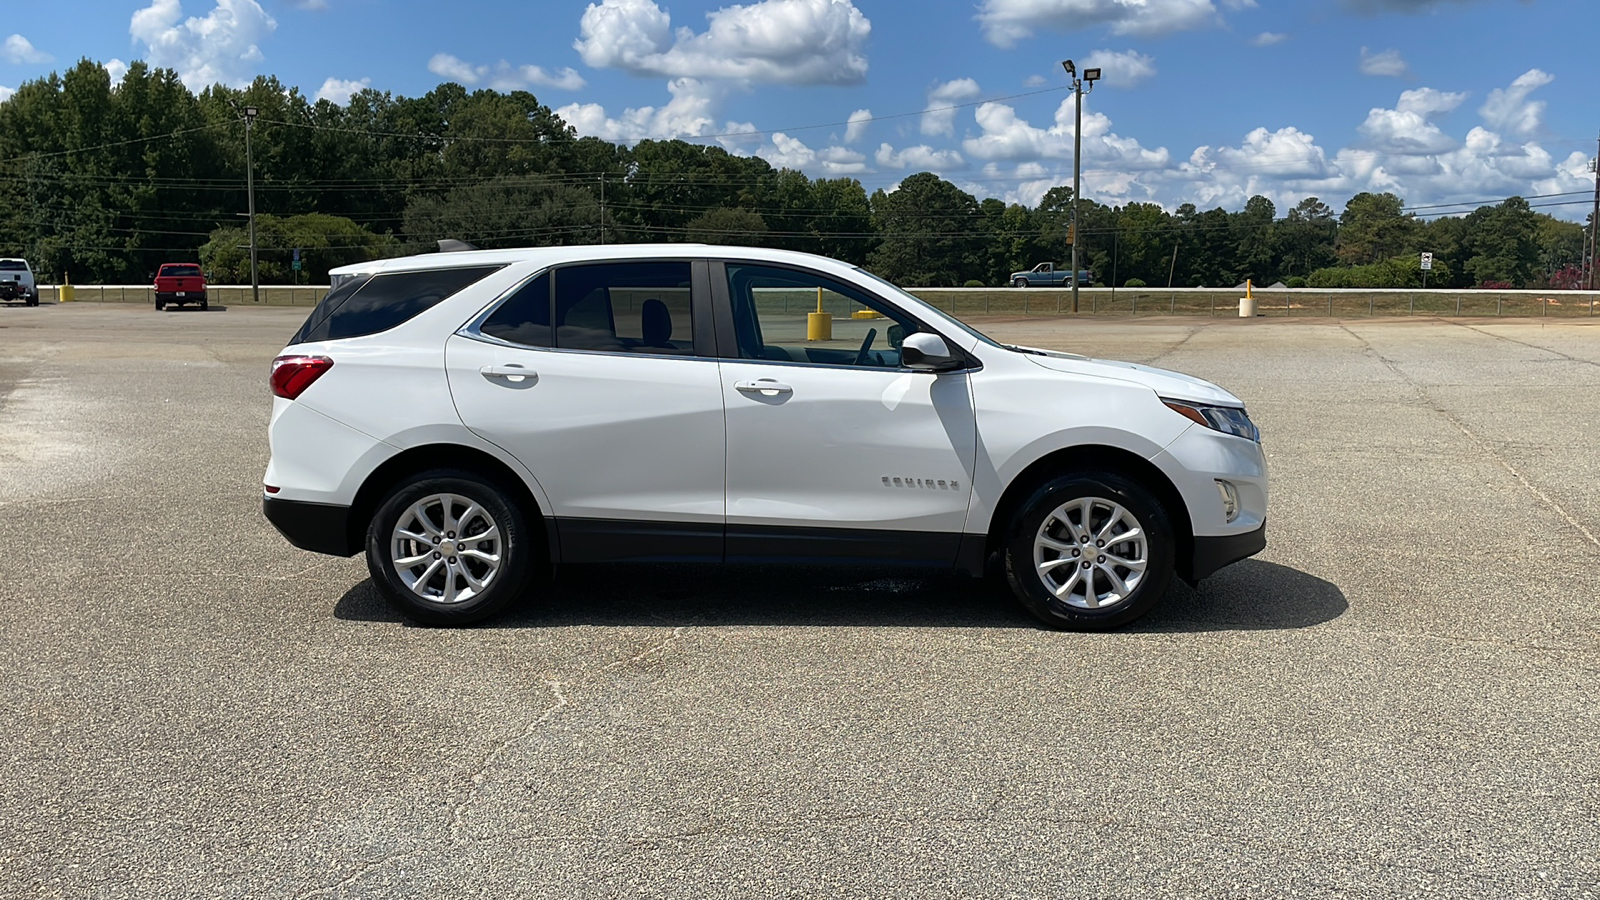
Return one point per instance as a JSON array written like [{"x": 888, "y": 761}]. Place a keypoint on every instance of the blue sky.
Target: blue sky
[{"x": 1204, "y": 101}]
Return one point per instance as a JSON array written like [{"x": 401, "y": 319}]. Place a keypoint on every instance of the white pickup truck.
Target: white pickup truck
[{"x": 16, "y": 282}]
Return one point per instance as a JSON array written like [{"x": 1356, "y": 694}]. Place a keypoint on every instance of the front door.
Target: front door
[
  {"x": 615, "y": 409},
  {"x": 836, "y": 451}
]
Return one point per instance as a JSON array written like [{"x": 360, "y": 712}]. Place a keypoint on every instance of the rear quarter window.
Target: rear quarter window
[{"x": 370, "y": 304}]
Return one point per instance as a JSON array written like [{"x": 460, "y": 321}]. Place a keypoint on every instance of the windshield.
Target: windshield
[{"x": 958, "y": 323}]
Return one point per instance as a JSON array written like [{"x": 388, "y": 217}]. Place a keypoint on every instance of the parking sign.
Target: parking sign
[{"x": 1427, "y": 262}]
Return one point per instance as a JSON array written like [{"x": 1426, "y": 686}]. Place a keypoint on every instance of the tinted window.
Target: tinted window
[
  {"x": 183, "y": 271},
  {"x": 769, "y": 316},
  {"x": 524, "y": 318},
  {"x": 16, "y": 265},
  {"x": 641, "y": 307},
  {"x": 370, "y": 305}
]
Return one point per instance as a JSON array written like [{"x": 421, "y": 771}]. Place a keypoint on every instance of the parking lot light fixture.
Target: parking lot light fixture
[{"x": 1078, "y": 90}]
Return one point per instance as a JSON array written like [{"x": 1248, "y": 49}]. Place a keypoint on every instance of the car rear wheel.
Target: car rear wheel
[
  {"x": 204, "y": 303},
  {"x": 160, "y": 304},
  {"x": 1090, "y": 551},
  {"x": 448, "y": 547}
]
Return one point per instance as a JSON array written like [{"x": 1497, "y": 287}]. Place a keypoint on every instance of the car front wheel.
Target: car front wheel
[
  {"x": 1090, "y": 551},
  {"x": 1019, "y": 282},
  {"x": 450, "y": 548}
]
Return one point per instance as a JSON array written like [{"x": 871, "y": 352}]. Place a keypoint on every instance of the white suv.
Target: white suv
[{"x": 470, "y": 419}]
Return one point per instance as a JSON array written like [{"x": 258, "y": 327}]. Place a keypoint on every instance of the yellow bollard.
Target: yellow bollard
[
  {"x": 819, "y": 325},
  {"x": 67, "y": 293}
]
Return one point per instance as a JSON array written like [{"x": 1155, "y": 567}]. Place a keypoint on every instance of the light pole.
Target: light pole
[
  {"x": 250, "y": 113},
  {"x": 1091, "y": 76}
]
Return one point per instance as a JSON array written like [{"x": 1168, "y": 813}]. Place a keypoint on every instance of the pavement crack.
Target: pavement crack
[
  {"x": 1175, "y": 347},
  {"x": 649, "y": 650},
  {"x": 1487, "y": 448},
  {"x": 458, "y": 809},
  {"x": 1501, "y": 337}
]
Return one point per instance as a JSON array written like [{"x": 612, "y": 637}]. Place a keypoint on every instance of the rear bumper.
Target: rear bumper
[
  {"x": 1213, "y": 553},
  {"x": 188, "y": 296},
  {"x": 318, "y": 527}
]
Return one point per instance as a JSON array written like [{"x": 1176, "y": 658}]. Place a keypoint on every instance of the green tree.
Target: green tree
[
  {"x": 1502, "y": 243},
  {"x": 1374, "y": 227},
  {"x": 931, "y": 233},
  {"x": 508, "y": 211},
  {"x": 1306, "y": 237},
  {"x": 325, "y": 242}
]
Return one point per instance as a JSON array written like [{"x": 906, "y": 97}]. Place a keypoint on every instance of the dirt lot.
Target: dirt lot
[{"x": 1397, "y": 698}]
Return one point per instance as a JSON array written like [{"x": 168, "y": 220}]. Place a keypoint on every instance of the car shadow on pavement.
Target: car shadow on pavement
[
  {"x": 1251, "y": 595},
  {"x": 195, "y": 309}
]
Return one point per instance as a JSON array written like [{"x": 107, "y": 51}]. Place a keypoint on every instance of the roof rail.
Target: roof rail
[{"x": 451, "y": 245}]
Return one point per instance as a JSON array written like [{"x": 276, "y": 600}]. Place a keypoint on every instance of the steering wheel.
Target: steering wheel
[{"x": 861, "y": 355}]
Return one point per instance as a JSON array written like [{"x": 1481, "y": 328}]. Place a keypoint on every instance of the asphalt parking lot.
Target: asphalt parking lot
[{"x": 1397, "y": 698}]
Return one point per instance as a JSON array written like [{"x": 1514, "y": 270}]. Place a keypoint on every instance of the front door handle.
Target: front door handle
[
  {"x": 766, "y": 387},
  {"x": 512, "y": 372}
]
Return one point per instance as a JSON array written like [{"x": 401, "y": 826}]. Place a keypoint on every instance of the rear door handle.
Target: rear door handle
[
  {"x": 766, "y": 386},
  {"x": 511, "y": 372}
]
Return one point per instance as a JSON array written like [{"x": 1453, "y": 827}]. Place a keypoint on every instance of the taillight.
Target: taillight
[{"x": 291, "y": 375}]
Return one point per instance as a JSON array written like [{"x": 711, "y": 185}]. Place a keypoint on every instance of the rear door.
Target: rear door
[{"x": 602, "y": 380}]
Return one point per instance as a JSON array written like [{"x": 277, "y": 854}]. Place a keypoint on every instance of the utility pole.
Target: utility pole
[
  {"x": 250, "y": 113},
  {"x": 1091, "y": 76},
  {"x": 602, "y": 207},
  {"x": 1594, "y": 222}
]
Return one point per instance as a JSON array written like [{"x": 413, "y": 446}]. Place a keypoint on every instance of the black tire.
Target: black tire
[
  {"x": 204, "y": 304},
  {"x": 33, "y": 300},
  {"x": 1019, "y": 282},
  {"x": 1064, "y": 492},
  {"x": 160, "y": 304},
  {"x": 517, "y": 548}
]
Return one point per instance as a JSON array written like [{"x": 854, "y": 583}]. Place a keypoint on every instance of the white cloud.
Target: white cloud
[
  {"x": 1268, "y": 38},
  {"x": 18, "y": 49},
  {"x": 116, "y": 68},
  {"x": 339, "y": 91},
  {"x": 1007, "y": 21},
  {"x": 503, "y": 76},
  {"x": 221, "y": 47},
  {"x": 939, "y": 119},
  {"x": 921, "y": 157},
  {"x": 309, "y": 4},
  {"x": 1126, "y": 69},
  {"x": 1509, "y": 109},
  {"x": 1388, "y": 63},
  {"x": 787, "y": 152},
  {"x": 5, "y": 93},
  {"x": 1008, "y": 137},
  {"x": 1036, "y": 81},
  {"x": 856, "y": 125},
  {"x": 770, "y": 42},
  {"x": 1406, "y": 129},
  {"x": 692, "y": 112}
]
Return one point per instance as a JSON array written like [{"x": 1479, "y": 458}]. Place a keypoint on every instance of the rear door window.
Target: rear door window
[
  {"x": 625, "y": 307},
  {"x": 378, "y": 303}
]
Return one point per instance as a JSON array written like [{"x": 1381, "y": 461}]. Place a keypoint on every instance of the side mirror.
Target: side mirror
[
  {"x": 897, "y": 335},
  {"x": 926, "y": 353}
]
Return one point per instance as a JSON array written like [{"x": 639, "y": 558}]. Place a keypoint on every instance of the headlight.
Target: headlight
[{"x": 1226, "y": 419}]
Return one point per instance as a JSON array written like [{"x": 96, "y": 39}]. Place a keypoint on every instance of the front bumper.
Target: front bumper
[
  {"x": 1213, "y": 553},
  {"x": 318, "y": 527}
]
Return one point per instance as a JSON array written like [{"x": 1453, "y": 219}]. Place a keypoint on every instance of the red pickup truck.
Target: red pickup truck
[{"x": 180, "y": 283}]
